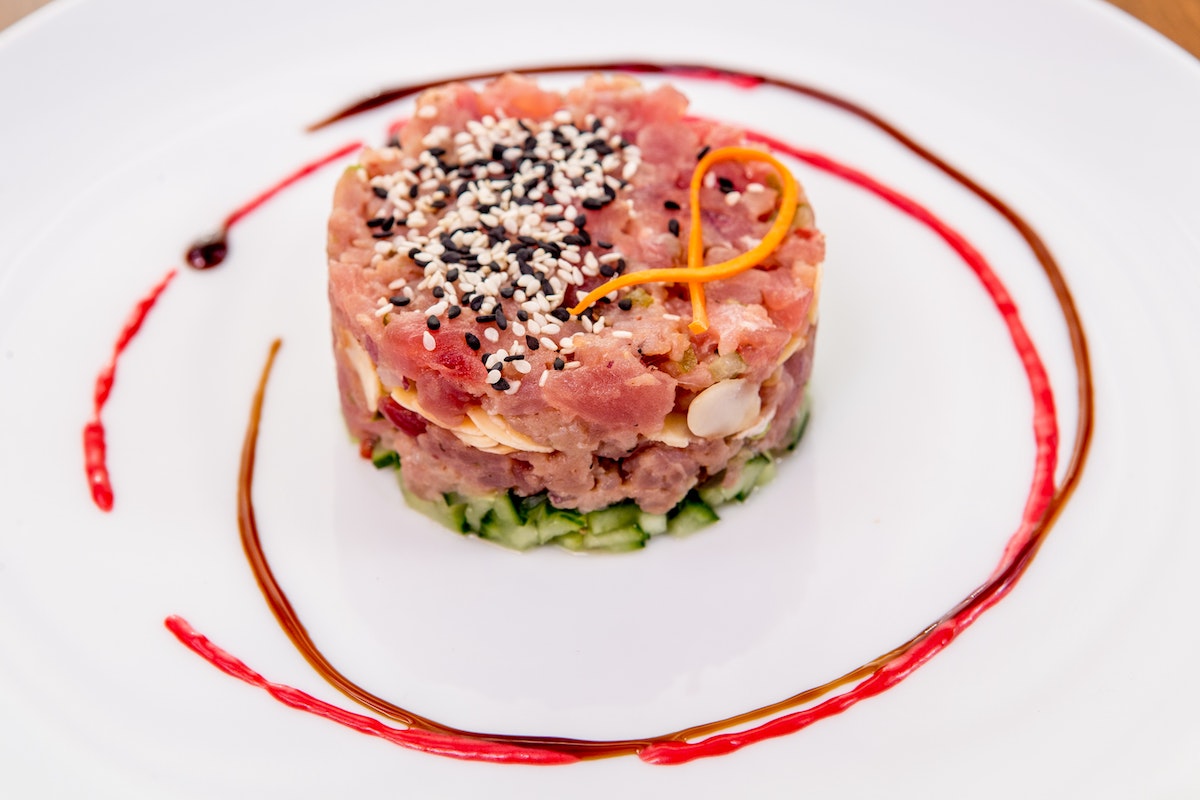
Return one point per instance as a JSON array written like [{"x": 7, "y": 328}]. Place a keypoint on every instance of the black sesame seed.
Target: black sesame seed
[
  {"x": 673, "y": 227},
  {"x": 501, "y": 322},
  {"x": 515, "y": 357},
  {"x": 485, "y": 318},
  {"x": 522, "y": 315},
  {"x": 561, "y": 314},
  {"x": 580, "y": 220},
  {"x": 725, "y": 185},
  {"x": 507, "y": 291},
  {"x": 399, "y": 300},
  {"x": 593, "y": 204},
  {"x": 527, "y": 240},
  {"x": 413, "y": 191},
  {"x": 604, "y": 245},
  {"x": 453, "y": 311},
  {"x": 575, "y": 239},
  {"x": 559, "y": 363},
  {"x": 439, "y": 292},
  {"x": 414, "y": 252},
  {"x": 625, "y": 304},
  {"x": 375, "y": 223},
  {"x": 703, "y": 152},
  {"x": 619, "y": 266},
  {"x": 438, "y": 204},
  {"x": 501, "y": 385},
  {"x": 607, "y": 271},
  {"x": 554, "y": 218},
  {"x": 452, "y": 275},
  {"x": 437, "y": 152},
  {"x": 671, "y": 205},
  {"x": 380, "y": 192},
  {"x": 532, "y": 342},
  {"x": 472, "y": 341},
  {"x": 433, "y": 322},
  {"x": 477, "y": 302}
]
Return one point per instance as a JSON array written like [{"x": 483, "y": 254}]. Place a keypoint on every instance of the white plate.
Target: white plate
[{"x": 130, "y": 129}]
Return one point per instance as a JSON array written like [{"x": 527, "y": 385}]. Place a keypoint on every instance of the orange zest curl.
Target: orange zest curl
[{"x": 696, "y": 273}]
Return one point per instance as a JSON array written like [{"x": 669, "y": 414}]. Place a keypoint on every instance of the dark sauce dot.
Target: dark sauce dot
[{"x": 207, "y": 253}]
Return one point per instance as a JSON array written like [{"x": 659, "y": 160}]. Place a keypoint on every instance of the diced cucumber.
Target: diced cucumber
[
  {"x": 653, "y": 524},
  {"x": 518, "y": 537},
  {"x": 504, "y": 510},
  {"x": 799, "y": 424},
  {"x": 440, "y": 510},
  {"x": 715, "y": 494},
  {"x": 554, "y": 522},
  {"x": 690, "y": 516},
  {"x": 383, "y": 459},
  {"x": 616, "y": 541},
  {"x": 613, "y": 541},
  {"x": 621, "y": 515}
]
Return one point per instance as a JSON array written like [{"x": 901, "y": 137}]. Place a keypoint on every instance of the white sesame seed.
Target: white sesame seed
[
  {"x": 437, "y": 309},
  {"x": 542, "y": 379},
  {"x": 493, "y": 376},
  {"x": 754, "y": 187},
  {"x": 385, "y": 309},
  {"x": 672, "y": 317},
  {"x": 551, "y": 328},
  {"x": 548, "y": 343},
  {"x": 513, "y": 387},
  {"x": 491, "y": 334},
  {"x": 573, "y": 365},
  {"x": 429, "y": 341},
  {"x": 522, "y": 366},
  {"x": 622, "y": 334},
  {"x": 427, "y": 112},
  {"x": 732, "y": 198},
  {"x": 518, "y": 329}
]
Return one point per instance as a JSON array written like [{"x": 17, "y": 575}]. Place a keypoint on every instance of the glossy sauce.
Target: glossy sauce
[
  {"x": 1045, "y": 499},
  {"x": 95, "y": 449}
]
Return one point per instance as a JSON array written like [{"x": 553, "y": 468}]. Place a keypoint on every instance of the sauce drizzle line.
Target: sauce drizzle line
[
  {"x": 1043, "y": 505},
  {"x": 95, "y": 449}
]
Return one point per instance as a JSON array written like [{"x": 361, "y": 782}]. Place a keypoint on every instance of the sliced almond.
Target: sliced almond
[{"x": 723, "y": 409}]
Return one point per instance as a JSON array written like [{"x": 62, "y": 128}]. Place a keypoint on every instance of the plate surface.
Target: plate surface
[{"x": 124, "y": 147}]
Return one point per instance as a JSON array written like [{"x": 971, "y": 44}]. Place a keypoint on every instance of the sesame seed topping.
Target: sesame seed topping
[
  {"x": 622, "y": 334},
  {"x": 495, "y": 218},
  {"x": 671, "y": 205},
  {"x": 559, "y": 363},
  {"x": 673, "y": 227},
  {"x": 429, "y": 341}
]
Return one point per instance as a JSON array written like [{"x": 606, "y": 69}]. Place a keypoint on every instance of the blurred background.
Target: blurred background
[{"x": 1178, "y": 20}]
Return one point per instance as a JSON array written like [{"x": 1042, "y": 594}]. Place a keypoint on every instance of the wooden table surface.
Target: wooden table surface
[{"x": 1178, "y": 20}]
